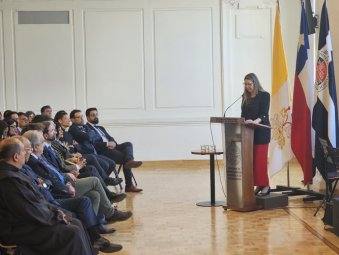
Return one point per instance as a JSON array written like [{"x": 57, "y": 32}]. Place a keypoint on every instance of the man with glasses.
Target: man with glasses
[
  {"x": 27, "y": 219},
  {"x": 22, "y": 121}
]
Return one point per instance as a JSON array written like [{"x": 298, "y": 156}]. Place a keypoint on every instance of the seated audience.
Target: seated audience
[
  {"x": 104, "y": 165},
  {"x": 3, "y": 129},
  {"x": 22, "y": 121},
  {"x": 55, "y": 152},
  {"x": 12, "y": 127},
  {"x": 28, "y": 220},
  {"x": 7, "y": 114},
  {"x": 46, "y": 110},
  {"x": 68, "y": 185},
  {"x": 80, "y": 207},
  {"x": 14, "y": 116},
  {"x": 30, "y": 115},
  {"x": 40, "y": 118},
  {"x": 121, "y": 153}
]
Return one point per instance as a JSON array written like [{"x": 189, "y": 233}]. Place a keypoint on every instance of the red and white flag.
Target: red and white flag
[{"x": 301, "y": 136}]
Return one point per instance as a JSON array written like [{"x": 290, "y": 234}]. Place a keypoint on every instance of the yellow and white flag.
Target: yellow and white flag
[{"x": 280, "y": 150}]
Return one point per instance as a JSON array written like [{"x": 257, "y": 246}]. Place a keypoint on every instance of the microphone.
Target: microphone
[{"x": 232, "y": 104}]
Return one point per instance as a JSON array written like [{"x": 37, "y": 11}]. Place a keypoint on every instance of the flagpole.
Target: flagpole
[{"x": 288, "y": 173}]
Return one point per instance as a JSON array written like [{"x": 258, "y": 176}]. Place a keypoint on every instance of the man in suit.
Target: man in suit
[
  {"x": 104, "y": 165},
  {"x": 106, "y": 145},
  {"x": 46, "y": 110},
  {"x": 49, "y": 133},
  {"x": 86, "y": 137},
  {"x": 68, "y": 184},
  {"x": 27, "y": 219},
  {"x": 22, "y": 121},
  {"x": 81, "y": 207}
]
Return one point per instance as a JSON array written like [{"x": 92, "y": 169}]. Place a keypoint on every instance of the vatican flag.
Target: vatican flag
[{"x": 280, "y": 151}]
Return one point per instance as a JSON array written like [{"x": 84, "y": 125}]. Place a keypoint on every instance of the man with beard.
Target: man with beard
[{"x": 121, "y": 153}]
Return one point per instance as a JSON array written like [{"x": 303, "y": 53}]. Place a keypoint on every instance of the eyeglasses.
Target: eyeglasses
[{"x": 248, "y": 83}]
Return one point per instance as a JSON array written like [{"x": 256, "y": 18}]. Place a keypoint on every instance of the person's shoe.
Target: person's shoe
[
  {"x": 115, "y": 198},
  {"x": 264, "y": 191},
  {"x": 119, "y": 216},
  {"x": 111, "y": 248},
  {"x": 132, "y": 188},
  {"x": 257, "y": 190},
  {"x": 133, "y": 164},
  {"x": 104, "y": 245},
  {"x": 105, "y": 230},
  {"x": 113, "y": 181}
]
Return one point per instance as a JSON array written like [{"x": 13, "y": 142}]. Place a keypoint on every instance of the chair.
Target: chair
[
  {"x": 116, "y": 174},
  {"x": 331, "y": 178},
  {"x": 119, "y": 169},
  {"x": 11, "y": 249}
]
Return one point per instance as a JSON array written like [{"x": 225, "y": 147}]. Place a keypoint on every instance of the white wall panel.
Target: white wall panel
[
  {"x": 2, "y": 78},
  {"x": 183, "y": 58},
  {"x": 114, "y": 59},
  {"x": 44, "y": 65},
  {"x": 170, "y": 142},
  {"x": 248, "y": 50},
  {"x": 153, "y": 68}
]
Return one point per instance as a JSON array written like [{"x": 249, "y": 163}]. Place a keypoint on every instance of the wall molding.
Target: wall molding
[
  {"x": 155, "y": 123},
  {"x": 245, "y": 4},
  {"x": 94, "y": 11},
  {"x": 2, "y": 70}
]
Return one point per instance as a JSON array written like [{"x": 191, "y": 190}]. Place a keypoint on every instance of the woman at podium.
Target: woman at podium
[{"x": 254, "y": 108}]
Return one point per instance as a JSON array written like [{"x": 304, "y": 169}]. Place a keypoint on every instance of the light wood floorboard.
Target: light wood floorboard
[{"x": 167, "y": 221}]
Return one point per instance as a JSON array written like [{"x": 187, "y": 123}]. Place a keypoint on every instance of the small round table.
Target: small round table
[{"x": 211, "y": 203}]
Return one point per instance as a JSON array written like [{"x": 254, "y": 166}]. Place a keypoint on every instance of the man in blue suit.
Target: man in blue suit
[{"x": 105, "y": 144}]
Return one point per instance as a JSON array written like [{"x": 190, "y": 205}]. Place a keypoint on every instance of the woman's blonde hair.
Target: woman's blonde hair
[{"x": 257, "y": 86}]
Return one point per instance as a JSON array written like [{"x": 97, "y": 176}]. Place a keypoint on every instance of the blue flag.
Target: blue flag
[{"x": 325, "y": 111}]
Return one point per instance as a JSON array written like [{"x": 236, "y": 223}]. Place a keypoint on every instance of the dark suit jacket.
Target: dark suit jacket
[
  {"x": 97, "y": 139},
  {"x": 62, "y": 154},
  {"x": 58, "y": 189},
  {"x": 259, "y": 107},
  {"x": 68, "y": 138},
  {"x": 81, "y": 134},
  {"x": 23, "y": 209}
]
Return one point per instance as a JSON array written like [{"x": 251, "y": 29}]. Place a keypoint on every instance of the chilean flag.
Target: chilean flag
[
  {"x": 325, "y": 111},
  {"x": 301, "y": 140}
]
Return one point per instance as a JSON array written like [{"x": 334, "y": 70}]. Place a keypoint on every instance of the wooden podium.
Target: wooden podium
[{"x": 238, "y": 158}]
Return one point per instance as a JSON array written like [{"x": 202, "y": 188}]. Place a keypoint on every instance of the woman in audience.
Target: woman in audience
[
  {"x": 30, "y": 115},
  {"x": 12, "y": 127},
  {"x": 3, "y": 129}
]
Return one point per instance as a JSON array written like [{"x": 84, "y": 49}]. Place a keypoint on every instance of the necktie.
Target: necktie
[
  {"x": 53, "y": 157},
  {"x": 52, "y": 168},
  {"x": 101, "y": 133}
]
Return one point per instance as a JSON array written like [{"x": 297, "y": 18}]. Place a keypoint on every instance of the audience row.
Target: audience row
[{"x": 55, "y": 171}]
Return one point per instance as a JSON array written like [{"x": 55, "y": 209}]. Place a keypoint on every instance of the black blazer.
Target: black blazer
[
  {"x": 81, "y": 134},
  {"x": 259, "y": 107},
  {"x": 97, "y": 139},
  {"x": 58, "y": 189}
]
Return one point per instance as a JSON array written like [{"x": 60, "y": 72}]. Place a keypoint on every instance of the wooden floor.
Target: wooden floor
[{"x": 166, "y": 220}]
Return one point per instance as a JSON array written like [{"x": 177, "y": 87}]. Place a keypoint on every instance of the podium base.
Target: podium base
[
  {"x": 210, "y": 204},
  {"x": 273, "y": 201}
]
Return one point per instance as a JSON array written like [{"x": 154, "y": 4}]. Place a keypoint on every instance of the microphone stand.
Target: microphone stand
[{"x": 231, "y": 105}]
